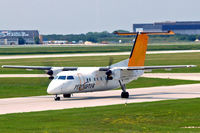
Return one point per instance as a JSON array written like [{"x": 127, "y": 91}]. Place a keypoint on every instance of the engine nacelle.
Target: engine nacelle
[
  {"x": 113, "y": 74},
  {"x": 54, "y": 71},
  {"x": 109, "y": 75}
]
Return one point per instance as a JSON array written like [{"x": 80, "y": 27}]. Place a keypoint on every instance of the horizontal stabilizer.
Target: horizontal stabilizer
[{"x": 148, "y": 33}]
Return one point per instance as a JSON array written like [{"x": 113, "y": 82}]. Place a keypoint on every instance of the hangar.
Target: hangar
[
  {"x": 15, "y": 37},
  {"x": 179, "y": 27}
]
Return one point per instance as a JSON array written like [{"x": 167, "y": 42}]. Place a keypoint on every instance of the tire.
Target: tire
[
  {"x": 124, "y": 95},
  {"x": 66, "y": 95},
  {"x": 57, "y": 98}
]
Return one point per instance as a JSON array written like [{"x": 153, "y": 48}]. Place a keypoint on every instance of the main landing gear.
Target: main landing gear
[
  {"x": 124, "y": 93},
  {"x": 66, "y": 95},
  {"x": 56, "y": 98}
]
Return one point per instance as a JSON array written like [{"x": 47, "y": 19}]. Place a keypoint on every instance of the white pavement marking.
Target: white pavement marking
[
  {"x": 92, "y": 54},
  {"x": 61, "y": 55},
  {"x": 173, "y": 51},
  {"x": 183, "y": 76},
  {"x": 22, "y": 75},
  {"x": 42, "y": 103}
]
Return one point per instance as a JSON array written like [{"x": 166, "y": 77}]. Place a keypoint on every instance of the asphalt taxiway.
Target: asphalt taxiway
[{"x": 42, "y": 103}]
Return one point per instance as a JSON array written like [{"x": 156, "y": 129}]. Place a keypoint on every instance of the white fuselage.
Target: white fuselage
[{"x": 89, "y": 79}]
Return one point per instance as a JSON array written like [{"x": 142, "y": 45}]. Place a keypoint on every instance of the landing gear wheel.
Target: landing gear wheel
[
  {"x": 56, "y": 98},
  {"x": 66, "y": 95},
  {"x": 124, "y": 95}
]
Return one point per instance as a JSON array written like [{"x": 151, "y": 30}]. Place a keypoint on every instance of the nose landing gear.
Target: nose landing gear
[{"x": 56, "y": 98}]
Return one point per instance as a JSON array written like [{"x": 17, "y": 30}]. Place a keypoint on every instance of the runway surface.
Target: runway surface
[
  {"x": 182, "y": 76},
  {"x": 42, "y": 103},
  {"x": 91, "y": 54}
]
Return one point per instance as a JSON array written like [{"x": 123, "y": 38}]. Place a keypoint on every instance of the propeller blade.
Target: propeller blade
[
  {"x": 109, "y": 72},
  {"x": 110, "y": 61}
]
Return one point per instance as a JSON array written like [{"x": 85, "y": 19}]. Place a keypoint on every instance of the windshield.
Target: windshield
[
  {"x": 62, "y": 77},
  {"x": 70, "y": 77}
]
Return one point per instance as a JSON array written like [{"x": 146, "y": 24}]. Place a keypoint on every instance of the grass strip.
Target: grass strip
[{"x": 163, "y": 116}]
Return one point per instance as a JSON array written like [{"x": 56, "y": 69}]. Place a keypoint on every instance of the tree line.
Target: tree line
[{"x": 105, "y": 36}]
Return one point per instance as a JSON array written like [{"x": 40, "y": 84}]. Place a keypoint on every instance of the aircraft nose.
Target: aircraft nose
[
  {"x": 54, "y": 89},
  {"x": 51, "y": 90}
]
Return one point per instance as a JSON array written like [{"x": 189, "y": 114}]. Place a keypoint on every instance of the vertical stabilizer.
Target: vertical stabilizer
[
  {"x": 138, "y": 52},
  {"x": 139, "y": 49}
]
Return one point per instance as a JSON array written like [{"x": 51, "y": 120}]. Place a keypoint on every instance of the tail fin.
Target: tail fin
[{"x": 138, "y": 53}]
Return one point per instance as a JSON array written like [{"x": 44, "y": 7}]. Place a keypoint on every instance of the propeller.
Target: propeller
[
  {"x": 50, "y": 73},
  {"x": 48, "y": 62},
  {"x": 110, "y": 61},
  {"x": 109, "y": 72}
]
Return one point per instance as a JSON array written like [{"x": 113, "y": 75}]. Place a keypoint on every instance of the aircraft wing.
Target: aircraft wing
[
  {"x": 155, "y": 67},
  {"x": 39, "y": 67},
  {"x": 101, "y": 69}
]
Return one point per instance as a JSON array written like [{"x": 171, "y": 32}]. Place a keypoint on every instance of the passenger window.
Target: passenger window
[
  {"x": 89, "y": 79},
  {"x": 62, "y": 77},
  {"x": 97, "y": 78},
  {"x": 94, "y": 79},
  {"x": 101, "y": 78},
  {"x": 70, "y": 77}
]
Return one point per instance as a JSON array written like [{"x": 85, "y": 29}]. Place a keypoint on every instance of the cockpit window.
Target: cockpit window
[
  {"x": 62, "y": 77},
  {"x": 70, "y": 77}
]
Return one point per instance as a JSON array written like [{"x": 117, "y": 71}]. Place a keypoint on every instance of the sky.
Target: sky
[{"x": 82, "y": 16}]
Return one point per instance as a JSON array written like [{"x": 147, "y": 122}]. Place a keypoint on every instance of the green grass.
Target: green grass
[
  {"x": 24, "y": 50},
  {"x": 162, "y": 116},
  {"x": 175, "y": 59},
  {"x": 21, "y": 87},
  {"x": 151, "y": 60},
  {"x": 153, "y": 82}
]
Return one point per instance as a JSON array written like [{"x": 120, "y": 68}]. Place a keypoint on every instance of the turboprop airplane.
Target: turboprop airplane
[{"x": 69, "y": 80}]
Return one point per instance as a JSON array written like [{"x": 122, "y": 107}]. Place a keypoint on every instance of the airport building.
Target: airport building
[
  {"x": 179, "y": 27},
  {"x": 15, "y": 37}
]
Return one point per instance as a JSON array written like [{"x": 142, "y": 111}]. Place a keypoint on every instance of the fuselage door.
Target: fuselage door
[{"x": 81, "y": 81}]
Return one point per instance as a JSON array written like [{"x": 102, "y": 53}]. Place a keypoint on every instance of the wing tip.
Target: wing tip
[
  {"x": 5, "y": 66},
  {"x": 192, "y": 66}
]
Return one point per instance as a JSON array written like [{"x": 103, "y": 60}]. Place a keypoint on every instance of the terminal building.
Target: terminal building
[
  {"x": 179, "y": 27},
  {"x": 15, "y": 37}
]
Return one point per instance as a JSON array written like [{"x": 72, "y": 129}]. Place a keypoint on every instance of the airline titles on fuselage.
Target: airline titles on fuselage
[{"x": 84, "y": 86}]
